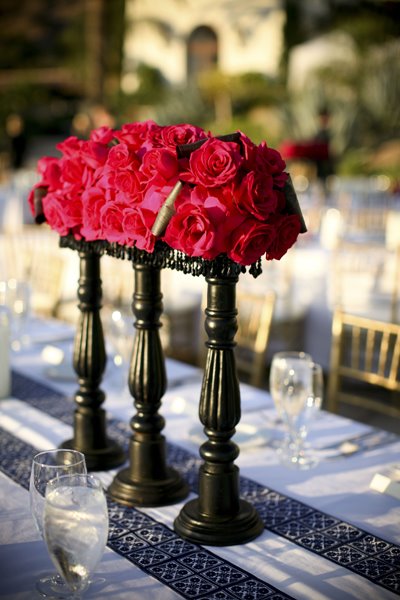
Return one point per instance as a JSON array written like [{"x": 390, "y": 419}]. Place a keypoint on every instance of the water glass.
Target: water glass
[
  {"x": 46, "y": 466},
  {"x": 75, "y": 528}
]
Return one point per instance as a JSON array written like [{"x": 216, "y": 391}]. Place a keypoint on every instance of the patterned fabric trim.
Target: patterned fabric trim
[
  {"x": 342, "y": 543},
  {"x": 190, "y": 570}
]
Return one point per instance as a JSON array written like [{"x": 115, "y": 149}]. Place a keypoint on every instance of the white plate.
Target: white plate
[{"x": 61, "y": 372}]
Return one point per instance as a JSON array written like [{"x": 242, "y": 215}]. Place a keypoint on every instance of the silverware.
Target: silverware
[{"x": 374, "y": 439}]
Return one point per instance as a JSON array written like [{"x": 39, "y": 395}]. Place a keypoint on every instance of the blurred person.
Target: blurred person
[
  {"x": 15, "y": 130},
  {"x": 323, "y": 158}
]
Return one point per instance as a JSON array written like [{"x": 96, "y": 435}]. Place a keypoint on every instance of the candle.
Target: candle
[{"x": 5, "y": 373}]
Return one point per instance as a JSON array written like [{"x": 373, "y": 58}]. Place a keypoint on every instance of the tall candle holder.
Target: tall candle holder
[
  {"x": 218, "y": 516},
  {"x": 148, "y": 481},
  {"x": 89, "y": 361}
]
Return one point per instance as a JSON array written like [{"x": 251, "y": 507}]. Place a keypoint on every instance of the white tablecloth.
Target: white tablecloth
[{"x": 339, "y": 487}]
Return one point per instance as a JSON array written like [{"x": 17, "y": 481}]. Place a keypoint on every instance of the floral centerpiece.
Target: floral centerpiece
[{"x": 231, "y": 201}]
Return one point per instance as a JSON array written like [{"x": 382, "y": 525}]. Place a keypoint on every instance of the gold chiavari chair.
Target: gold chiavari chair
[
  {"x": 255, "y": 314},
  {"x": 365, "y": 363}
]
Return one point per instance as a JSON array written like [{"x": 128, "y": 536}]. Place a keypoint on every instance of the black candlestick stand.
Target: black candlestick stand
[
  {"x": 148, "y": 481},
  {"x": 89, "y": 362},
  {"x": 218, "y": 516}
]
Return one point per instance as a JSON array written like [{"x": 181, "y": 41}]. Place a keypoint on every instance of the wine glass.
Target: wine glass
[
  {"x": 75, "y": 528},
  {"x": 297, "y": 388},
  {"x": 120, "y": 332},
  {"x": 46, "y": 466},
  {"x": 276, "y": 374}
]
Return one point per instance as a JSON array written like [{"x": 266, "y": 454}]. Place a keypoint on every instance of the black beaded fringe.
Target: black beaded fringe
[{"x": 164, "y": 257}]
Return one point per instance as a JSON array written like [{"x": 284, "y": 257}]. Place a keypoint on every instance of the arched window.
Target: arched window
[{"x": 202, "y": 51}]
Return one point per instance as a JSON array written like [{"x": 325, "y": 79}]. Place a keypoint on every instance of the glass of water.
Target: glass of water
[
  {"x": 75, "y": 528},
  {"x": 49, "y": 465}
]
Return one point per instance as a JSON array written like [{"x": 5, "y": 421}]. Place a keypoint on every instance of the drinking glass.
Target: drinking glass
[
  {"x": 75, "y": 528},
  {"x": 46, "y": 466},
  {"x": 279, "y": 360},
  {"x": 297, "y": 388},
  {"x": 16, "y": 295}
]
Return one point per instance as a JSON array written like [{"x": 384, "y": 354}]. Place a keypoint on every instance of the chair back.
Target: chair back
[
  {"x": 254, "y": 319},
  {"x": 364, "y": 351}
]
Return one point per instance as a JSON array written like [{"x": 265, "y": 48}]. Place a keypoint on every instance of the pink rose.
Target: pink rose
[
  {"x": 155, "y": 195},
  {"x": 135, "y": 135},
  {"x": 53, "y": 208},
  {"x": 93, "y": 154},
  {"x": 160, "y": 161},
  {"x": 119, "y": 157},
  {"x": 70, "y": 147},
  {"x": 73, "y": 172},
  {"x": 214, "y": 164},
  {"x": 128, "y": 182},
  {"x": 102, "y": 135},
  {"x": 50, "y": 170},
  {"x": 192, "y": 231},
  {"x": 93, "y": 201},
  {"x": 60, "y": 208},
  {"x": 175, "y": 135},
  {"x": 250, "y": 240},
  {"x": 137, "y": 223},
  {"x": 111, "y": 218},
  {"x": 287, "y": 229}
]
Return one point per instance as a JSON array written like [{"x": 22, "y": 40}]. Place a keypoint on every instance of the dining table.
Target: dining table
[{"x": 330, "y": 532}]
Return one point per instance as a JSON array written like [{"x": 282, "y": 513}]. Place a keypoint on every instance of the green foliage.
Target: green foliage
[
  {"x": 184, "y": 105},
  {"x": 152, "y": 86}
]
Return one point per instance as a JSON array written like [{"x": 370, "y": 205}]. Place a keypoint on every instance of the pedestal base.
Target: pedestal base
[
  {"x": 218, "y": 531},
  {"x": 162, "y": 492},
  {"x": 101, "y": 459}
]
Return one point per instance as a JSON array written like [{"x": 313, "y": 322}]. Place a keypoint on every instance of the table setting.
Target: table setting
[{"x": 189, "y": 514}]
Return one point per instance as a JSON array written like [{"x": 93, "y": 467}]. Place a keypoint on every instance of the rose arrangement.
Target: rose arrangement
[{"x": 112, "y": 186}]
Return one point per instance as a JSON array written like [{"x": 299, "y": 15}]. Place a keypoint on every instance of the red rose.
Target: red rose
[
  {"x": 50, "y": 170},
  {"x": 92, "y": 202},
  {"x": 268, "y": 160},
  {"x": 53, "y": 208},
  {"x": 155, "y": 195},
  {"x": 135, "y": 135},
  {"x": 62, "y": 212},
  {"x": 287, "y": 229},
  {"x": 214, "y": 164},
  {"x": 176, "y": 135},
  {"x": 256, "y": 195},
  {"x": 128, "y": 182},
  {"x": 250, "y": 240},
  {"x": 93, "y": 154},
  {"x": 119, "y": 157},
  {"x": 102, "y": 135},
  {"x": 192, "y": 231},
  {"x": 72, "y": 172},
  {"x": 70, "y": 147},
  {"x": 137, "y": 223},
  {"x": 111, "y": 217},
  {"x": 160, "y": 161}
]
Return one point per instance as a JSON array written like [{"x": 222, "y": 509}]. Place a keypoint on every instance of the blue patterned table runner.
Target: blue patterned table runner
[{"x": 327, "y": 536}]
